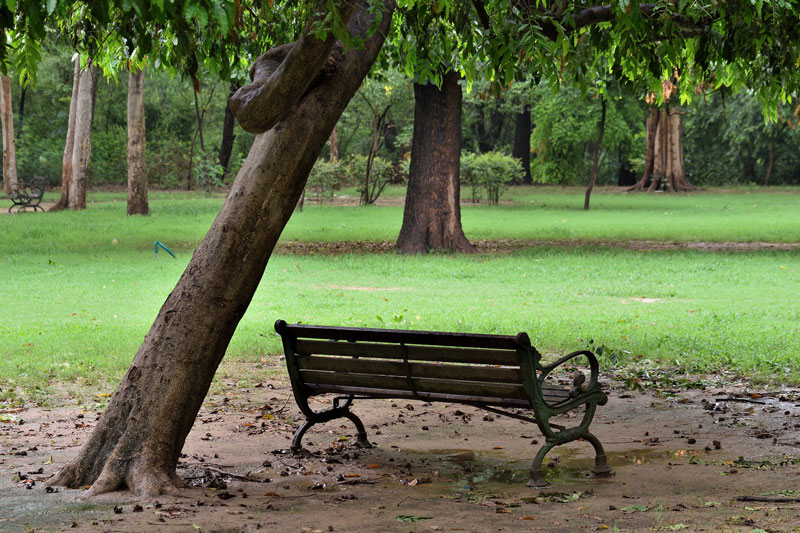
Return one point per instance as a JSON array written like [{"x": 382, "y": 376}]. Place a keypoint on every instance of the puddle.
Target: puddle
[{"x": 473, "y": 468}]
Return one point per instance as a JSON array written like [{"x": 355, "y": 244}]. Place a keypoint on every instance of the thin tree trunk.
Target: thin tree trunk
[
  {"x": 138, "y": 440},
  {"x": 23, "y": 91},
  {"x": 334, "y": 144},
  {"x": 69, "y": 144},
  {"x": 228, "y": 136},
  {"x": 770, "y": 159},
  {"x": 522, "y": 142},
  {"x": 432, "y": 215},
  {"x": 137, "y": 166},
  {"x": 199, "y": 122},
  {"x": 82, "y": 148},
  {"x": 596, "y": 152},
  {"x": 10, "y": 182}
]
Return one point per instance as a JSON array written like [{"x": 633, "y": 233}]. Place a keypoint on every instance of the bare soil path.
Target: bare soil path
[{"x": 681, "y": 459}]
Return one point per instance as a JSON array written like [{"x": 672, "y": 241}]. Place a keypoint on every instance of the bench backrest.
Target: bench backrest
[{"x": 426, "y": 365}]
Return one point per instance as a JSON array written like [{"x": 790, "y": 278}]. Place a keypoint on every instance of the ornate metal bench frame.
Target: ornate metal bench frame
[{"x": 415, "y": 373}]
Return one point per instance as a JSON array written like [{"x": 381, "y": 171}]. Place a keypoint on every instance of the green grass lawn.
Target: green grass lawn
[{"x": 83, "y": 287}]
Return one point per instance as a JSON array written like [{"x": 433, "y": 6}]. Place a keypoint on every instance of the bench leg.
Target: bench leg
[
  {"x": 537, "y": 480},
  {"x": 361, "y": 435},
  {"x": 326, "y": 416},
  {"x": 601, "y": 468}
]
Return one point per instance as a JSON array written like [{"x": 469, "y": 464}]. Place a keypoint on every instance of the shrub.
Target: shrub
[
  {"x": 468, "y": 177},
  {"x": 325, "y": 179},
  {"x": 380, "y": 174},
  {"x": 207, "y": 172},
  {"x": 493, "y": 171}
]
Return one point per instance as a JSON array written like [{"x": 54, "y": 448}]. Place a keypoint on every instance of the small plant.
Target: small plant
[
  {"x": 325, "y": 179},
  {"x": 208, "y": 173}
]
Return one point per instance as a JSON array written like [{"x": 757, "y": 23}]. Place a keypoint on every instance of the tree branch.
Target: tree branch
[{"x": 282, "y": 75}]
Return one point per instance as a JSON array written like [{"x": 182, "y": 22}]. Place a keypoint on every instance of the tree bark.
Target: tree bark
[
  {"x": 334, "y": 144},
  {"x": 82, "y": 147},
  {"x": 23, "y": 91},
  {"x": 228, "y": 136},
  {"x": 69, "y": 144},
  {"x": 522, "y": 142},
  {"x": 664, "y": 154},
  {"x": 432, "y": 215},
  {"x": 10, "y": 181},
  {"x": 596, "y": 153},
  {"x": 137, "y": 166},
  {"x": 137, "y": 442},
  {"x": 770, "y": 158}
]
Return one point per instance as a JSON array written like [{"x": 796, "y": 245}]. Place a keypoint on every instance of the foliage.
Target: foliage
[
  {"x": 325, "y": 179},
  {"x": 207, "y": 172},
  {"x": 566, "y": 129},
  {"x": 728, "y": 142}
]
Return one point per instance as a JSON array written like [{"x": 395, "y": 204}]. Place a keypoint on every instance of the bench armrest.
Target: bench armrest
[{"x": 578, "y": 384}]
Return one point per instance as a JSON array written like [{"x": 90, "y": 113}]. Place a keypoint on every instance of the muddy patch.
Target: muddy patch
[{"x": 682, "y": 460}]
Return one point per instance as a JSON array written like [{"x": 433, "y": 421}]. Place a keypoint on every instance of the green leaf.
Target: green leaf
[
  {"x": 51, "y": 5},
  {"x": 638, "y": 508}
]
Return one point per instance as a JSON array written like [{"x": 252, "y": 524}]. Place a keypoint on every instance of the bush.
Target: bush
[
  {"x": 207, "y": 172},
  {"x": 380, "y": 175},
  {"x": 492, "y": 171},
  {"x": 468, "y": 177},
  {"x": 325, "y": 179}
]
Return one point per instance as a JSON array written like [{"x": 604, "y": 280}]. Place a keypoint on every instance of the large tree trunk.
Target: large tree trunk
[
  {"x": 82, "y": 147},
  {"x": 138, "y": 440},
  {"x": 522, "y": 143},
  {"x": 432, "y": 215},
  {"x": 664, "y": 154},
  {"x": 226, "y": 146},
  {"x": 69, "y": 144},
  {"x": 10, "y": 182},
  {"x": 601, "y": 129},
  {"x": 137, "y": 166}
]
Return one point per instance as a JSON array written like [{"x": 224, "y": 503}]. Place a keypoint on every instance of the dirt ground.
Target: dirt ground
[{"x": 681, "y": 459}]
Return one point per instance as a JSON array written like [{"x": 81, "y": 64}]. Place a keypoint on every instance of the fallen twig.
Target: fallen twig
[
  {"x": 231, "y": 474},
  {"x": 766, "y": 499},
  {"x": 743, "y": 400}
]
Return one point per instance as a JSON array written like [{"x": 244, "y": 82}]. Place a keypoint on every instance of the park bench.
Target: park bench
[
  {"x": 28, "y": 195},
  {"x": 502, "y": 374}
]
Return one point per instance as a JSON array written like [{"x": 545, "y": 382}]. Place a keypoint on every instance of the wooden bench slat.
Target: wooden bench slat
[
  {"x": 415, "y": 353},
  {"x": 421, "y": 370},
  {"x": 430, "y": 338},
  {"x": 428, "y": 396},
  {"x": 421, "y": 384},
  {"x": 553, "y": 396}
]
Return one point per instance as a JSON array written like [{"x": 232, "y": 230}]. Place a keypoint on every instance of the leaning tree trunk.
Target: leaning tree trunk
[
  {"x": 138, "y": 440},
  {"x": 137, "y": 166},
  {"x": 664, "y": 155},
  {"x": 522, "y": 143},
  {"x": 82, "y": 147},
  {"x": 10, "y": 183},
  {"x": 601, "y": 129},
  {"x": 69, "y": 144},
  {"x": 228, "y": 136},
  {"x": 432, "y": 215}
]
